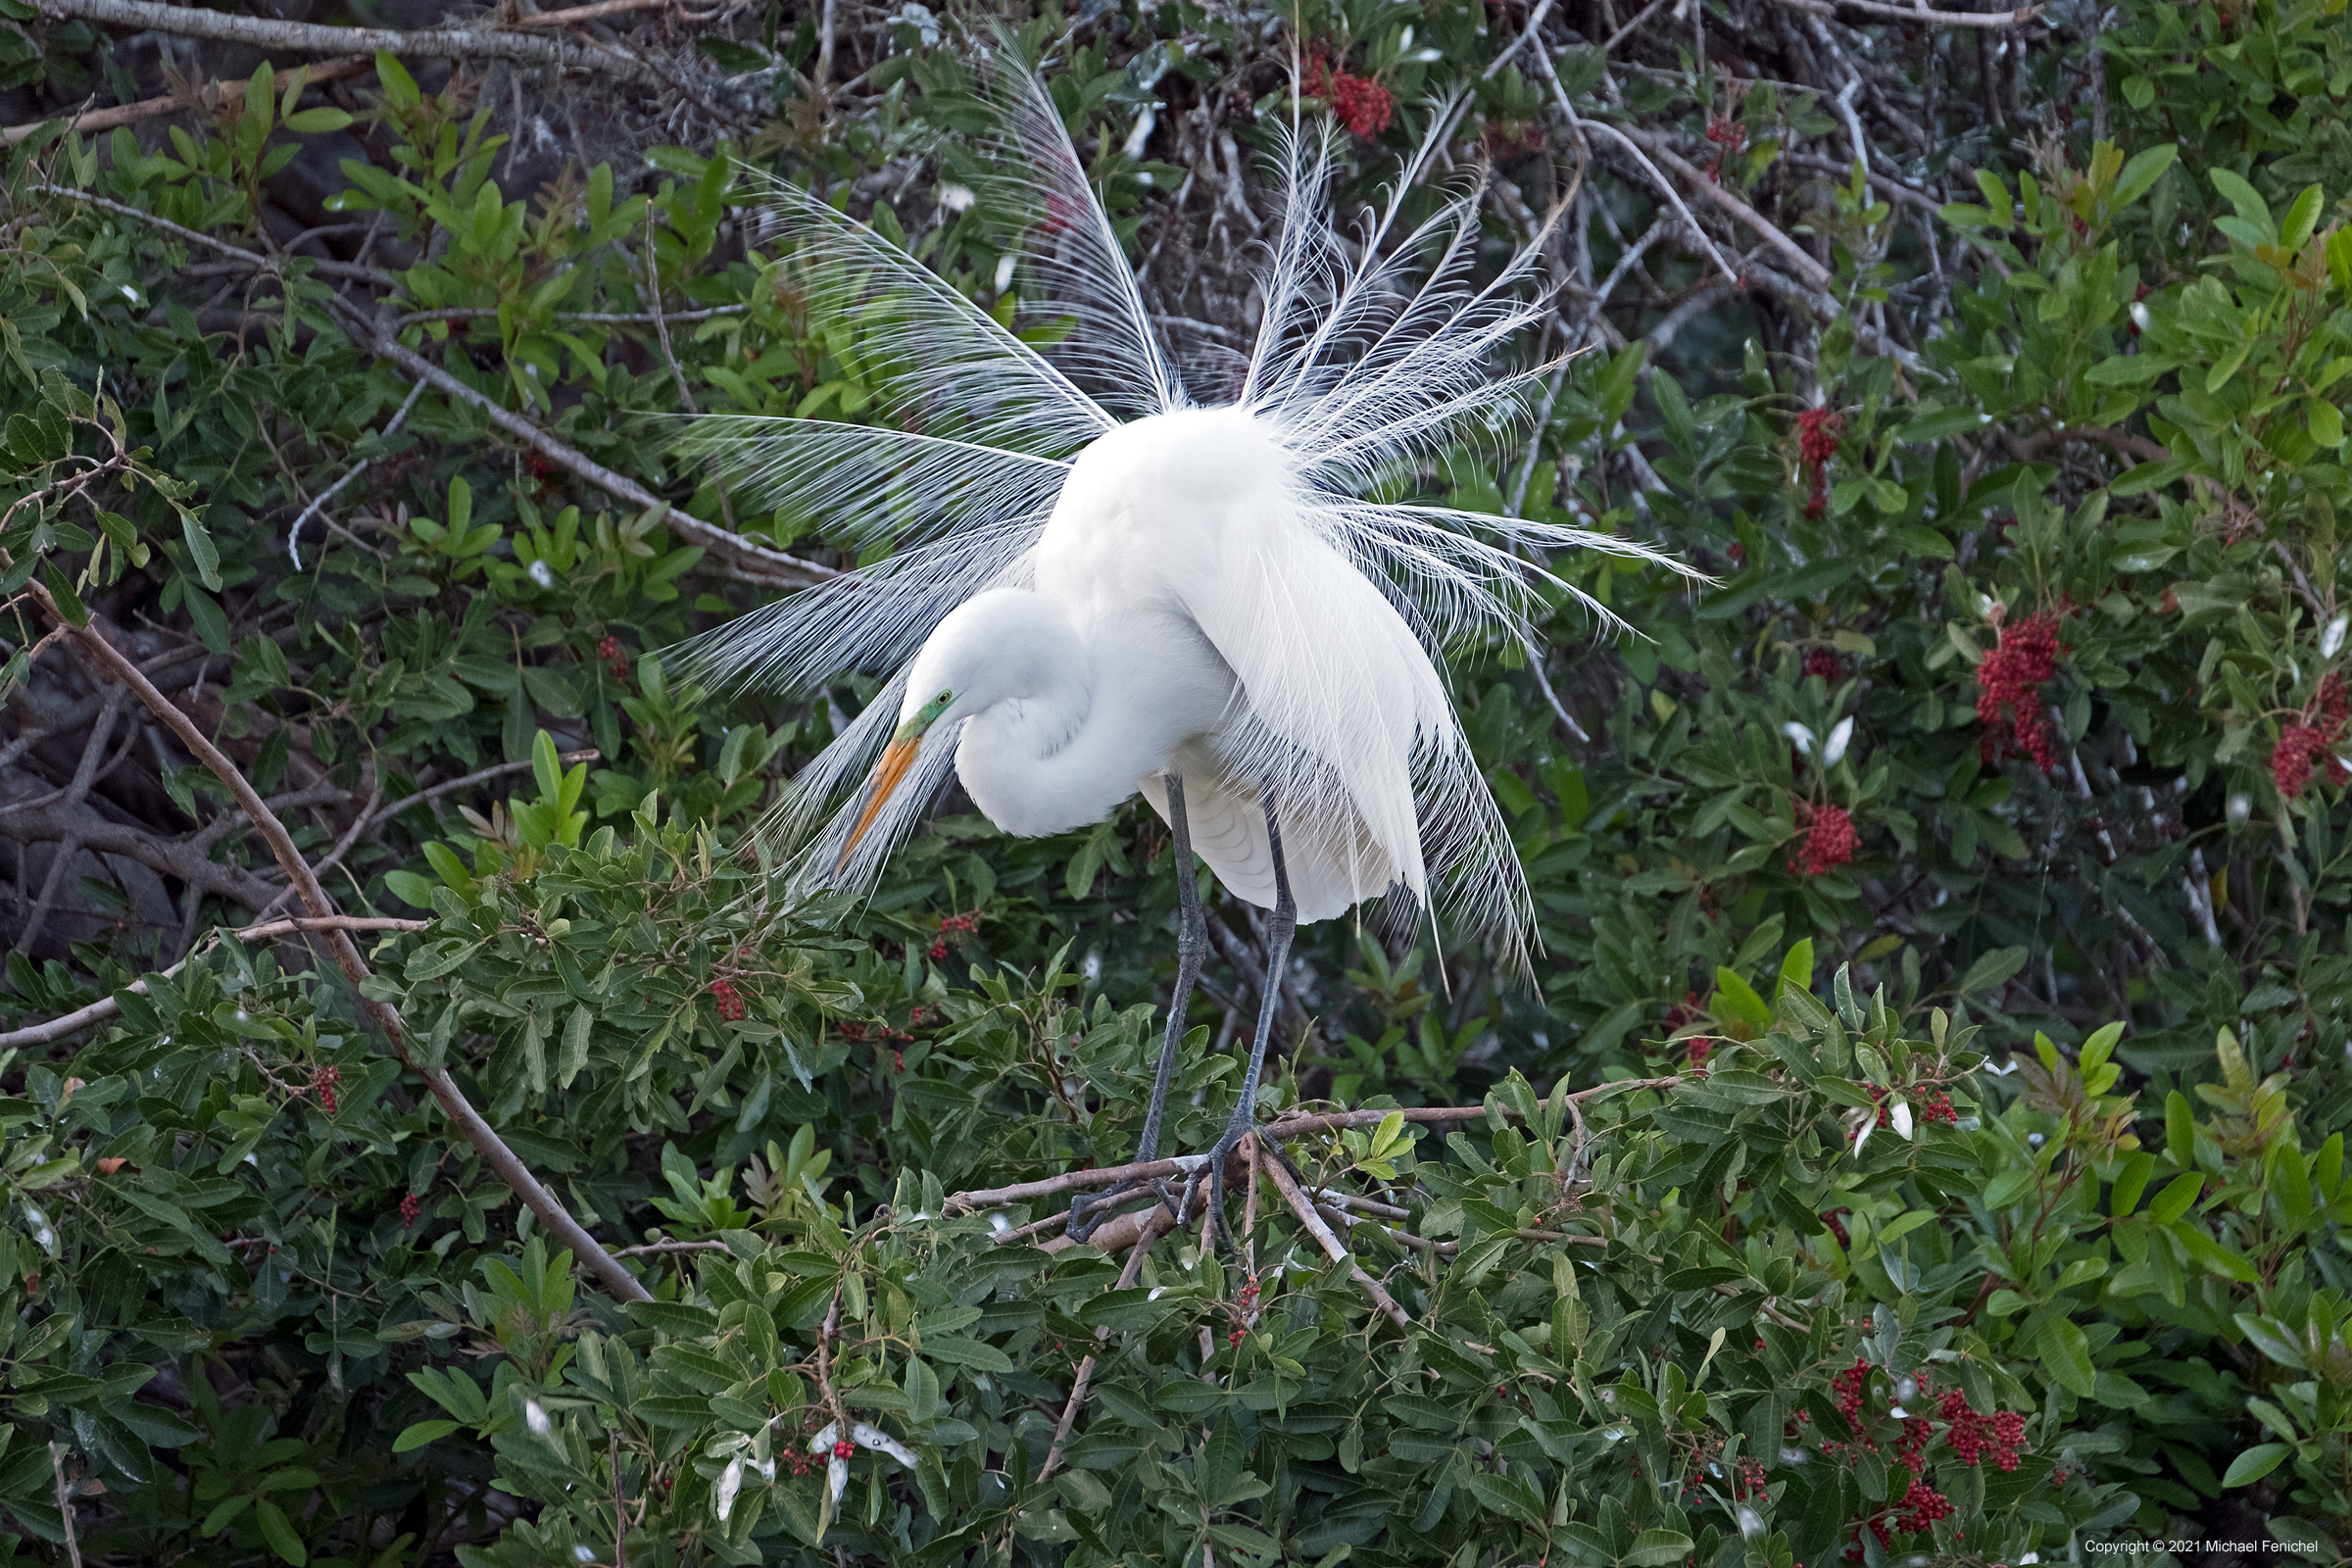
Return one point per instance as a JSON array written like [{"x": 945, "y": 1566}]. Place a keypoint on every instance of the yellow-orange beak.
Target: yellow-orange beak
[{"x": 897, "y": 757}]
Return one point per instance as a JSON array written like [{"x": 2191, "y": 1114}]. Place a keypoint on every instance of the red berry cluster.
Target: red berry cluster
[
  {"x": 411, "y": 1206},
  {"x": 952, "y": 925},
  {"x": 1937, "y": 1105},
  {"x": 1360, "y": 103},
  {"x": 730, "y": 999},
  {"x": 1971, "y": 1434},
  {"x": 1825, "y": 663},
  {"x": 1836, "y": 1227},
  {"x": 615, "y": 659},
  {"x": 1922, "y": 1505},
  {"x": 1817, "y": 443},
  {"x": 1700, "y": 1048},
  {"x": 1728, "y": 136},
  {"x": 799, "y": 1463},
  {"x": 1829, "y": 839},
  {"x": 323, "y": 1084},
  {"x": 1684, "y": 1011},
  {"x": 543, "y": 470},
  {"x": 2303, "y": 747},
  {"x": 2008, "y": 692},
  {"x": 844, "y": 1448},
  {"x": 1846, "y": 1389}
]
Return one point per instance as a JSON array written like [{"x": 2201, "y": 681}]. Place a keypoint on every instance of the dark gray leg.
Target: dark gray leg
[
  {"x": 1192, "y": 946},
  {"x": 1281, "y": 924}
]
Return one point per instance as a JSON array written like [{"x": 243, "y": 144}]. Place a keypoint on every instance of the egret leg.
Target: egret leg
[
  {"x": 1192, "y": 946},
  {"x": 1281, "y": 924}
]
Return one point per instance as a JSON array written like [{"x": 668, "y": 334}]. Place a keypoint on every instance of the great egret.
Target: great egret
[{"x": 1094, "y": 586}]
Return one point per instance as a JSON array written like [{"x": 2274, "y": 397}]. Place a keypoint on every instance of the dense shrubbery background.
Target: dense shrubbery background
[{"x": 1971, "y": 856}]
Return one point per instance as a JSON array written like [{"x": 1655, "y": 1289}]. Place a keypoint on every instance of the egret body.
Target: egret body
[{"x": 1094, "y": 586}]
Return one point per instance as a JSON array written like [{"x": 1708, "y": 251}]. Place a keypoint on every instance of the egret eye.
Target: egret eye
[{"x": 944, "y": 696}]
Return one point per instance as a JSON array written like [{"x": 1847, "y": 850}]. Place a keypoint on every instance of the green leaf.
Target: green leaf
[
  {"x": 201, "y": 552},
  {"x": 1737, "y": 999},
  {"x": 2301, "y": 219},
  {"x": 2255, "y": 1463},
  {"x": 1658, "y": 1548},
  {"x": 2174, "y": 1200},
  {"x": 311, "y": 121},
  {"x": 1993, "y": 970},
  {"x": 69, "y": 603},
  {"x": 979, "y": 1356},
  {"x": 1508, "y": 1496},
  {"x": 2247, "y": 200},
  {"x": 2143, "y": 171},
  {"x": 280, "y": 1533},
  {"x": 2066, "y": 1352}
]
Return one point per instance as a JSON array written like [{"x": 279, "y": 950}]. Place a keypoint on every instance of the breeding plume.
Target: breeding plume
[{"x": 1099, "y": 584}]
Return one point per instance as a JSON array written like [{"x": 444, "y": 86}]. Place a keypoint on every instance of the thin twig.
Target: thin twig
[
  {"x": 193, "y": 22},
  {"x": 105, "y": 1007},
  {"x": 391, "y": 430},
  {"x": 65, "y": 1501},
  {"x": 660, "y": 1248},
  {"x": 1071, "y": 1181},
  {"x": 621, "y": 1508},
  {"x": 1917, "y": 16},
  {"x": 753, "y": 562},
  {"x": 1159, "y": 1225},
  {"x": 225, "y": 93},
  {"x": 1332, "y": 1245},
  {"x": 1622, "y": 33},
  {"x": 1811, "y": 270},
  {"x": 1534, "y": 30},
  {"x": 402, "y": 323}
]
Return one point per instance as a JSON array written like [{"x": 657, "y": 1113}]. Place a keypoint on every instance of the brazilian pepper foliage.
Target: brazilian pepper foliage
[{"x": 1925, "y": 1137}]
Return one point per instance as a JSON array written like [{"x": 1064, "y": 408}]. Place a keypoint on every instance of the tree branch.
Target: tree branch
[
  {"x": 192, "y": 21},
  {"x": 567, "y": 1231},
  {"x": 227, "y": 94},
  {"x": 1917, "y": 16},
  {"x": 1158, "y": 1224},
  {"x": 105, "y": 1007},
  {"x": 1332, "y": 1248}
]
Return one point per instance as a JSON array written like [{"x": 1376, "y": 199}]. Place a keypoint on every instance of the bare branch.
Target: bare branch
[
  {"x": 1333, "y": 1246},
  {"x": 105, "y": 1007},
  {"x": 225, "y": 93},
  {"x": 1158, "y": 1224},
  {"x": 192, "y": 21},
  {"x": 1917, "y": 16}
]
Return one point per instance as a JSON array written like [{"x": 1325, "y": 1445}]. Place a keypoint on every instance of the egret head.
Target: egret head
[{"x": 1004, "y": 645}]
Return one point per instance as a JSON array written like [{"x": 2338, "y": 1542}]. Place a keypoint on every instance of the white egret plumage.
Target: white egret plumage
[{"x": 1098, "y": 587}]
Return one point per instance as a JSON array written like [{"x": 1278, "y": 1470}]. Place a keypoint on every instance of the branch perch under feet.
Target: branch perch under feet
[{"x": 567, "y": 1231}]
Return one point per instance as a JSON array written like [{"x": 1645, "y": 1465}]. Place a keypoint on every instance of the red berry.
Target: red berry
[
  {"x": 844, "y": 1448},
  {"x": 2008, "y": 698},
  {"x": 1829, "y": 839}
]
